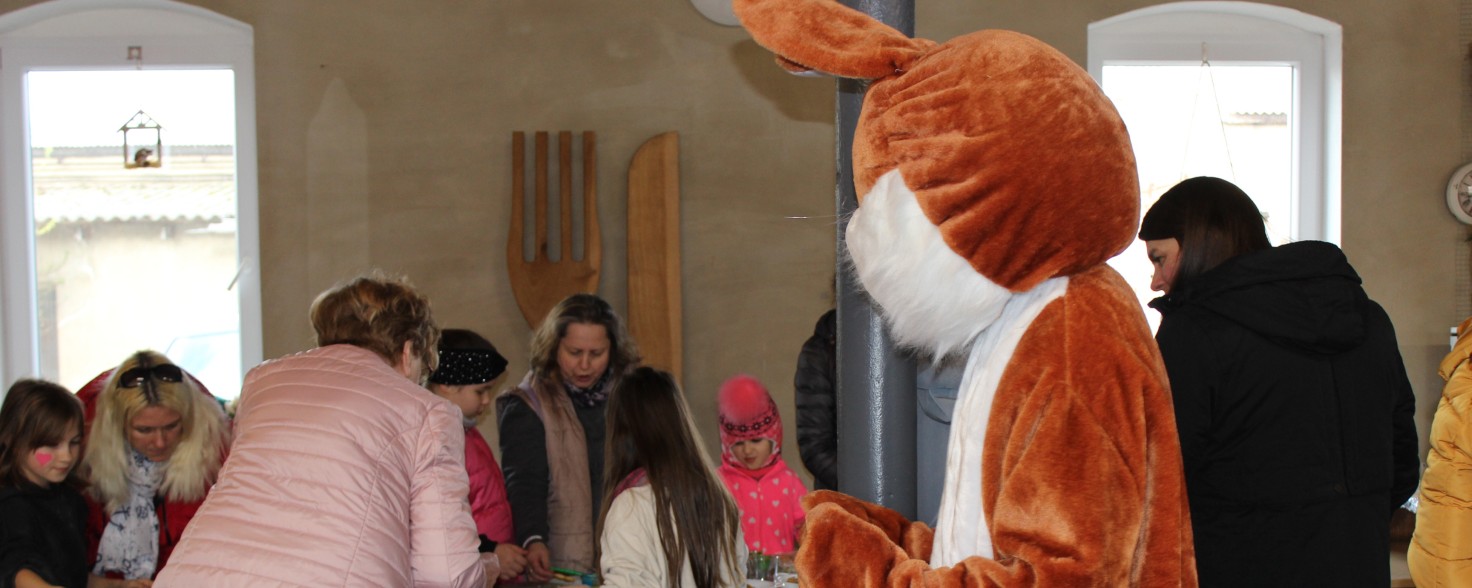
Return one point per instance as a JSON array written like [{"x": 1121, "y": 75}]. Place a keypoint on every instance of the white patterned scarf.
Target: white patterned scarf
[{"x": 129, "y": 545}]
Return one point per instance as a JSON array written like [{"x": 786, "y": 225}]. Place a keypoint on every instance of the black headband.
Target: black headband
[{"x": 464, "y": 367}]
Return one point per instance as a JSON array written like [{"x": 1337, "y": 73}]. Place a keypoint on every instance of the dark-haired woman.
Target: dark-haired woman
[
  {"x": 551, "y": 427},
  {"x": 666, "y": 518},
  {"x": 1292, "y": 403}
]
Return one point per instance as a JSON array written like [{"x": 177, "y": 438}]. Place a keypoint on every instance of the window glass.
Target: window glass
[
  {"x": 1225, "y": 120},
  {"x": 141, "y": 257},
  {"x": 1244, "y": 91}
]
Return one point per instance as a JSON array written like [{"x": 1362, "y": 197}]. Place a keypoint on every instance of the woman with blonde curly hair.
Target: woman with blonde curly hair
[
  {"x": 552, "y": 427},
  {"x": 344, "y": 470},
  {"x": 155, "y": 446}
]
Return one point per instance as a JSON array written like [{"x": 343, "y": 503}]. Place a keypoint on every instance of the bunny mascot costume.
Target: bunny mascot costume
[{"x": 993, "y": 170}]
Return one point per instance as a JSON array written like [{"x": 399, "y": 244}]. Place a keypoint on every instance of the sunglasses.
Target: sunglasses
[{"x": 166, "y": 372}]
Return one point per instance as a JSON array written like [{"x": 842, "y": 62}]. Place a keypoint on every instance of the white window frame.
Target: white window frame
[
  {"x": 1259, "y": 34},
  {"x": 95, "y": 34}
]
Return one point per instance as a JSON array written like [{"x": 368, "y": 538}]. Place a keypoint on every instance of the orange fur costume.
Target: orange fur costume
[{"x": 995, "y": 179}]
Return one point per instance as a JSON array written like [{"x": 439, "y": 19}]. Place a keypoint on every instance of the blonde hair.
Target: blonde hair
[
  {"x": 203, "y": 436},
  {"x": 379, "y": 314}
]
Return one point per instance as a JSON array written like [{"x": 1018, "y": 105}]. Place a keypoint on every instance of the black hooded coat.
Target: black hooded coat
[{"x": 1295, "y": 417}]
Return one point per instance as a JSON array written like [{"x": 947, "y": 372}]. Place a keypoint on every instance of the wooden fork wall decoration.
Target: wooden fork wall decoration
[{"x": 539, "y": 284}]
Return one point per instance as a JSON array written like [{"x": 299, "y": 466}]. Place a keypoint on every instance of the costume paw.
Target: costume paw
[
  {"x": 887, "y": 520},
  {"x": 841, "y": 549},
  {"x": 918, "y": 539}
]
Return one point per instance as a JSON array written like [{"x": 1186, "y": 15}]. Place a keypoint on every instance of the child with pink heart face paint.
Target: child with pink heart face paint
[
  {"x": 52, "y": 464},
  {"x": 42, "y": 515}
]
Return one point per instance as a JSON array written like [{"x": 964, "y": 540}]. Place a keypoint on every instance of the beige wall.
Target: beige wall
[{"x": 384, "y": 132}]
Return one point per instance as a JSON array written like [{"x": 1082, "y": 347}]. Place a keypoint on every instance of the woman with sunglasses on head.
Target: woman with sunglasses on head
[{"x": 156, "y": 442}]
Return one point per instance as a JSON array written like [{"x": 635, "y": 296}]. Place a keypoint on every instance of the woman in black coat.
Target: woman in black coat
[{"x": 1292, "y": 403}]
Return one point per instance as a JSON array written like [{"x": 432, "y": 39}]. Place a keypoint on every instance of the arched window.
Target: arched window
[
  {"x": 1239, "y": 90},
  {"x": 103, "y": 252}
]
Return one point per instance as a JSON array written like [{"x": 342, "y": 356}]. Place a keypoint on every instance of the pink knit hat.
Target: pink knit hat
[{"x": 747, "y": 412}]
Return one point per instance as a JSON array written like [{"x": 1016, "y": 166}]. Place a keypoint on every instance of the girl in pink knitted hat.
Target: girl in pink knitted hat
[{"x": 767, "y": 492}]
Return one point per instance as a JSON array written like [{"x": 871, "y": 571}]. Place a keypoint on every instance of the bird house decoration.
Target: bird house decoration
[{"x": 143, "y": 142}]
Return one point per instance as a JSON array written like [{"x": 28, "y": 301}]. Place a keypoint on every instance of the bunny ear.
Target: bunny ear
[{"x": 829, "y": 37}]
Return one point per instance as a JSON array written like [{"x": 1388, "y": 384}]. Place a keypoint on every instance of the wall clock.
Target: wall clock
[{"x": 1459, "y": 194}]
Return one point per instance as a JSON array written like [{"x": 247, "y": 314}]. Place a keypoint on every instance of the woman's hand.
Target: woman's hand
[
  {"x": 538, "y": 562},
  {"x": 513, "y": 559}
]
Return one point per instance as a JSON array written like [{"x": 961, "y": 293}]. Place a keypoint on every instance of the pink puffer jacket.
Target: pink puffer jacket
[{"x": 342, "y": 473}]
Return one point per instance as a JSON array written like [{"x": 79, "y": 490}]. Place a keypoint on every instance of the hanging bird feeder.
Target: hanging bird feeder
[{"x": 143, "y": 142}]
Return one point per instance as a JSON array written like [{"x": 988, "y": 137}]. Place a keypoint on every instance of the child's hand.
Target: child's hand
[{"x": 513, "y": 559}]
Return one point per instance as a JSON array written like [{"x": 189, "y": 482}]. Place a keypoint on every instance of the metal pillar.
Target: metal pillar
[{"x": 876, "y": 385}]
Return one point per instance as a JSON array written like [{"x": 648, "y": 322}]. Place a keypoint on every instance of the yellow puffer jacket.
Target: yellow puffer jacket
[{"x": 1441, "y": 550}]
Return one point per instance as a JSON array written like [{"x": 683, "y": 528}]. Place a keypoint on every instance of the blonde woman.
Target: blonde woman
[{"x": 155, "y": 446}]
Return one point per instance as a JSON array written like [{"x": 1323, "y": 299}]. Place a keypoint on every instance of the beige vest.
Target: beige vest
[{"x": 569, "y": 500}]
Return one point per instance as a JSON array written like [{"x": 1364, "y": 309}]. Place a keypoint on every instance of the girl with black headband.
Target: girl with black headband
[{"x": 469, "y": 370}]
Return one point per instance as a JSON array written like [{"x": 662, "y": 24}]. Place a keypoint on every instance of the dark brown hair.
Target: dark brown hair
[
  {"x": 1212, "y": 219},
  {"x": 584, "y": 309},
  {"x": 649, "y": 427},
  {"x": 379, "y": 314},
  {"x": 36, "y": 413}
]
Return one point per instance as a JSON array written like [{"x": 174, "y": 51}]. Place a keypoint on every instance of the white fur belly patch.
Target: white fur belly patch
[{"x": 933, "y": 299}]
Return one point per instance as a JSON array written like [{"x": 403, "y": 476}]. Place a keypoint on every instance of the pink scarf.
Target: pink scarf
[{"x": 638, "y": 477}]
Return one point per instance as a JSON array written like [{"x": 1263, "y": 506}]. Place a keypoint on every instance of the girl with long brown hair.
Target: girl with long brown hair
[{"x": 666, "y": 519}]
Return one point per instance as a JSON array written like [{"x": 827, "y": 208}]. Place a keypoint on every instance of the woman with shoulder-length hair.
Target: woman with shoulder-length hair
[
  {"x": 666, "y": 518},
  {"x": 1291, "y": 400},
  {"x": 344, "y": 469},
  {"x": 551, "y": 427},
  {"x": 155, "y": 447}
]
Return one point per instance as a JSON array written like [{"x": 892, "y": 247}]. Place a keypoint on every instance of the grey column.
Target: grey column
[{"x": 876, "y": 384}]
